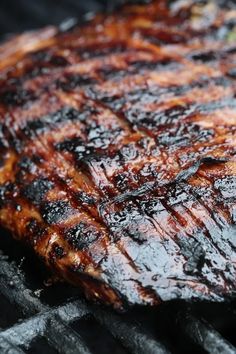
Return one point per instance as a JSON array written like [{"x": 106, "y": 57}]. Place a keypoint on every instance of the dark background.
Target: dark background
[{"x": 20, "y": 15}]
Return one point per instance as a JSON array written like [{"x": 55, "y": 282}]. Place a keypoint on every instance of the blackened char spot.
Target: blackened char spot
[
  {"x": 184, "y": 135},
  {"x": 121, "y": 181},
  {"x": 41, "y": 55},
  {"x": 84, "y": 198},
  {"x": 25, "y": 163},
  {"x": 36, "y": 190},
  {"x": 57, "y": 211},
  {"x": 16, "y": 97},
  {"x": 204, "y": 56},
  {"x": 56, "y": 252},
  {"x": 164, "y": 63},
  {"x": 112, "y": 73},
  {"x": 94, "y": 51},
  {"x": 5, "y": 191},
  {"x": 46, "y": 122},
  {"x": 16, "y": 143},
  {"x": 164, "y": 37},
  {"x": 152, "y": 119},
  {"x": 35, "y": 229},
  {"x": 82, "y": 236},
  {"x": 72, "y": 81},
  {"x": 57, "y": 60},
  {"x": 46, "y": 58},
  {"x": 29, "y": 164},
  {"x": 2, "y": 160},
  {"x": 76, "y": 146},
  {"x": 135, "y": 67},
  {"x": 98, "y": 139}
]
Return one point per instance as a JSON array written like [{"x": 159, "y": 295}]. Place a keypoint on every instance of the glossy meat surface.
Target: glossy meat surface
[{"x": 117, "y": 151}]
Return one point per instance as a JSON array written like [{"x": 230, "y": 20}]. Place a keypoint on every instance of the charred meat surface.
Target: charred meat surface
[{"x": 117, "y": 151}]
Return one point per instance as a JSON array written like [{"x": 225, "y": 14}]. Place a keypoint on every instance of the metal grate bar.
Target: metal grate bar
[
  {"x": 6, "y": 347},
  {"x": 53, "y": 325},
  {"x": 13, "y": 287},
  {"x": 50, "y": 325},
  {"x": 68, "y": 339},
  {"x": 205, "y": 336},
  {"x": 130, "y": 335},
  {"x": 22, "y": 334}
]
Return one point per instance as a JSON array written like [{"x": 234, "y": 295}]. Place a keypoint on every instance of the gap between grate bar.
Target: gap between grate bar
[
  {"x": 53, "y": 322},
  {"x": 130, "y": 335},
  {"x": 204, "y": 335},
  {"x": 12, "y": 287},
  {"x": 69, "y": 341},
  {"x": 50, "y": 325}
]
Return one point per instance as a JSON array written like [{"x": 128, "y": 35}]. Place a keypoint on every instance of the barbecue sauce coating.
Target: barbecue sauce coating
[{"x": 117, "y": 151}]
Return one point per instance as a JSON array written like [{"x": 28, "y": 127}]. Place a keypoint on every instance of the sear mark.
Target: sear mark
[
  {"x": 152, "y": 119},
  {"x": 16, "y": 97},
  {"x": 56, "y": 211},
  {"x": 95, "y": 51},
  {"x": 183, "y": 135},
  {"x": 44, "y": 123},
  {"x": 36, "y": 190},
  {"x": 73, "y": 81},
  {"x": 82, "y": 235},
  {"x": 76, "y": 146}
]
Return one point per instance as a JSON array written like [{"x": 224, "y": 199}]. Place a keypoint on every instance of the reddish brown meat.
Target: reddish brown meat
[{"x": 117, "y": 143}]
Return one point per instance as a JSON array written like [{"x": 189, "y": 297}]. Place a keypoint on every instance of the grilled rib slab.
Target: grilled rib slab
[{"x": 117, "y": 151}]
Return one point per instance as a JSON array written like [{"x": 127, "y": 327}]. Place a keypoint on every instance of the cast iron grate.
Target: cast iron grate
[
  {"x": 39, "y": 319},
  {"x": 55, "y": 319}
]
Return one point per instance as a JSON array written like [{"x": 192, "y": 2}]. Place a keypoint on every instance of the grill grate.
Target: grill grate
[
  {"x": 55, "y": 319},
  {"x": 58, "y": 327}
]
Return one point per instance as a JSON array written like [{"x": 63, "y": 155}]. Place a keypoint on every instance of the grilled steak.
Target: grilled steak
[{"x": 117, "y": 151}]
